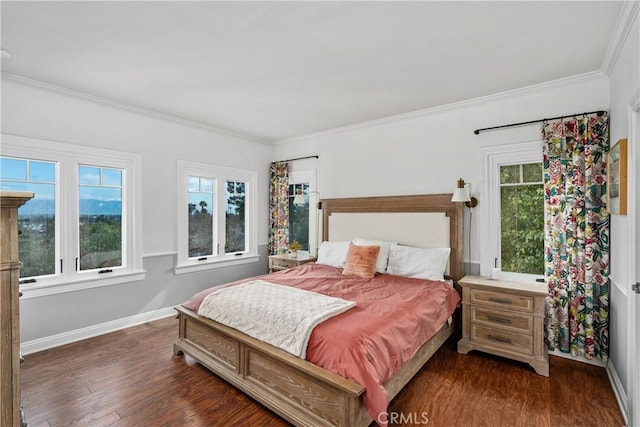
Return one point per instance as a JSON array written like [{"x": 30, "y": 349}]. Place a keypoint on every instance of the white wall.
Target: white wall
[
  {"x": 41, "y": 113},
  {"x": 624, "y": 83},
  {"x": 427, "y": 153}
]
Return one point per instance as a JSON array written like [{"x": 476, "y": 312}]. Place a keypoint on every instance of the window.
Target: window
[
  {"x": 303, "y": 219},
  {"x": 522, "y": 218},
  {"x": 36, "y": 219},
  {"x": 235, "y": 217},
  {"x": 100, "y": 220},
  {"x": 299, "y": 215},
  {"x": 216, "y": 216},
  {"x": 512, "y": 228},
  {"x": 200, "y": 216},
  {"x": 79, "y": 230}
]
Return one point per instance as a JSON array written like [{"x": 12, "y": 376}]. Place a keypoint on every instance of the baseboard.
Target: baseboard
[
  {"x": 618, "y": 390},
  {"x": 57, "y": 340}
]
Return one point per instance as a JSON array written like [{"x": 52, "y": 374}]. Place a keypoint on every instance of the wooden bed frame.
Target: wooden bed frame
[{"x": 297, "y": 390}]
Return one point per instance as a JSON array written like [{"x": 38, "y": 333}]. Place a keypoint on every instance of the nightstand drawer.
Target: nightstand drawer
[
  {"x": 502, "y": 300},
  {"x": 512, "y": 341},
  {"x": 511, "y": 321},
  {"x": 284, "y": 263}
]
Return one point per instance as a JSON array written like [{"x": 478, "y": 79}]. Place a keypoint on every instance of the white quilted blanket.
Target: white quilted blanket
[{"x": 279, "y": 315}]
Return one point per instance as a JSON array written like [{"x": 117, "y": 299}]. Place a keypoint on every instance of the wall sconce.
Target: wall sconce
[
  {"x": 298, "y": 199},
  {"x": 461, "y": 194}
]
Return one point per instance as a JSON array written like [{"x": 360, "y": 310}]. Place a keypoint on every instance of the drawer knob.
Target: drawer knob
[
  {"x": 500, "y": 320},
  {"x": 499, "y": 339},
  {"x": 500, "y": 300}
]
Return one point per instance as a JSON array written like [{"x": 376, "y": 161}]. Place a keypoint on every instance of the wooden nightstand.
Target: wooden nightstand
[
  {"x": 505, "y": 318},
  {"x": 283, "y": 262}
]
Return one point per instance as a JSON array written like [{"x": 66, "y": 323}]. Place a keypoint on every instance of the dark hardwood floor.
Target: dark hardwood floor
[{"x": 131, "y": 378}]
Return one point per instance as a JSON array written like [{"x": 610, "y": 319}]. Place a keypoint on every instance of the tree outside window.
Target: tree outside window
[
  {"x": 299, "y": 215},
  {"x": 522, "y": 218},
  {"x": 235, "y": 229}
]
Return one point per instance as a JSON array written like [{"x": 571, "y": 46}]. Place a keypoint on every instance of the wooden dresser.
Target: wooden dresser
[
  {"x": 10, "y": 413},
  {"x": 505, "y": 318}
]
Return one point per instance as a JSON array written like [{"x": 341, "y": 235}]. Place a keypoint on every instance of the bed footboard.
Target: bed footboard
[{"x": 297, "y": 390}]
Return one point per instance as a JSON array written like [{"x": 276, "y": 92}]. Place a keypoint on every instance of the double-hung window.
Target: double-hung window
[
  {"x": 39, "y": 235},
  {"x": 299, "y": 215},
  {"x": 80, "y": 230},
  {"x": 512, "y": 230},
  {"x": 216, "y": 216},
  {"x": 522, "y": 218},
  {"x": 303, "y": 218}
]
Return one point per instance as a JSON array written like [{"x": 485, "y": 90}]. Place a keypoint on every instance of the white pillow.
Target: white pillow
[
  {"x": 383, "y": 256},
  {"x": 420, "y": 263},
  {"x": 333, "y": 253}
]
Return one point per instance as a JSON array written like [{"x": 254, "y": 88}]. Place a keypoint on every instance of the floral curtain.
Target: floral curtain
[
  {"x": 577, "y": 235},
  {"x": 279, "y": 208}
]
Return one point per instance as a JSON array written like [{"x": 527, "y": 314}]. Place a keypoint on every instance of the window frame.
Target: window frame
[
  {"x": 494, "y": 157},
  {"x": 220, "y": 174},
  {"x": 68, "y": 157}
]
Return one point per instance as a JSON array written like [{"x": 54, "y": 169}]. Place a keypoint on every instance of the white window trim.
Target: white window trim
[
  {"x": 220, "y": 174},
  {"x": 309, "y": 177},
  {"x": 69, "y": 156},
  {"x": 492, "y": 158}
]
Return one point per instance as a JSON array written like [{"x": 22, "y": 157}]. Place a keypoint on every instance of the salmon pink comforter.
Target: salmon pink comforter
[{"x": 371, "y": 342}]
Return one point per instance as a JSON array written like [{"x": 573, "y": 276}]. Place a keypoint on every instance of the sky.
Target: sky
[{"x": 96, "y": 183}]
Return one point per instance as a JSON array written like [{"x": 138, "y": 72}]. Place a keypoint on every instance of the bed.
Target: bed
[{"x": 299, "y": 391}]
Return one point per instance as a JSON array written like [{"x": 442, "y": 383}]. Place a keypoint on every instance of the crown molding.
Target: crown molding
[
  {"x": 473, "y": 102},
  {"x": 134, "y": 108},
  {"x": 621, "y": 31}
]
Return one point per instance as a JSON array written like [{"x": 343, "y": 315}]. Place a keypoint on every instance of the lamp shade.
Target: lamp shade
[
  {"x": 298, "y": 200},
  {"x": 460, "y": 195}
]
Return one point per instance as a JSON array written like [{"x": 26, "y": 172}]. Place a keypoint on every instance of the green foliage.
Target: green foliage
[
  {"x": 522, "y": 228},
  {"x": 100, "y": 238},
  {"x": 532, "y": 172},
  {"x": 200, "y": 230},
  {"x": 100, "y": 241},
  {"x": 37, "y": 245},
  {"x": 299, "y": 224},
  {"x": 509, "y": 174},
  {"x": 201, "y": 225},
  {"x": 235, "y": 240}
]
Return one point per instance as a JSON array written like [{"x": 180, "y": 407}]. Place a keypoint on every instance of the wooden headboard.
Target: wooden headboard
[{"x": 423, "y": 220}]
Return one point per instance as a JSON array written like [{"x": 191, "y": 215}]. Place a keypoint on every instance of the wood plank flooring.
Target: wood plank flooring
[{"x": 131, "y": 378}]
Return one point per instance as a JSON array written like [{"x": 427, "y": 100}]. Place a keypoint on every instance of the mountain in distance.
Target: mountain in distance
[
  {"x": 100, "y": 207},
  {"x": 87, "y": 207}
]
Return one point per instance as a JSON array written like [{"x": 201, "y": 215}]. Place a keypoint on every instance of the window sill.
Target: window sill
[
  {"x": 215, "y": 263},
  {"x": 520, "y": 277},
  {"x": 35, "y": 290}
]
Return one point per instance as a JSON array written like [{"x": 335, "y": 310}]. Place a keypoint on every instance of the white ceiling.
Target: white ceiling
[{"x": 279, "y": 70}]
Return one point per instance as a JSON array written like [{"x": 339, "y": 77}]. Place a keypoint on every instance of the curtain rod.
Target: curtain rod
[
  {"x": 599, "y": 113},
  {"x": 298, "y": 158}
]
